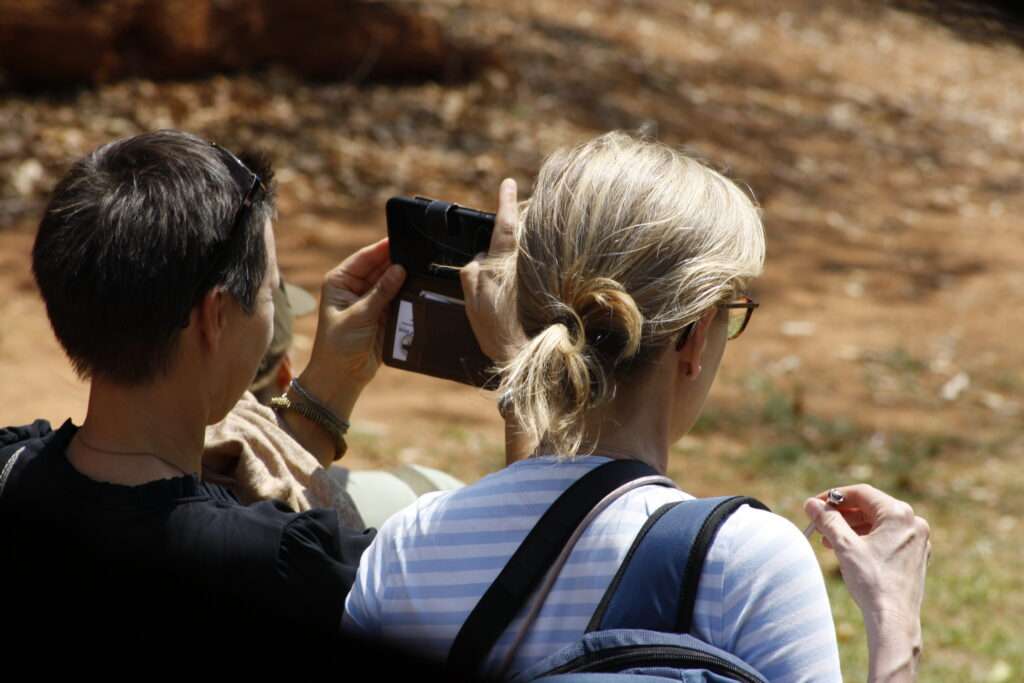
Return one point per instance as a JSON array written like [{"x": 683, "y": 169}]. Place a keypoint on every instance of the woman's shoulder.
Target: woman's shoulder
[
  {"x": 408, "y": 519},
  {"x": 756, "y": 545},
  {"x": 764, "y": 599},
  {"x": 749, "y": 531},
  {"x": 509, "y": 497},
  {"x": 761, "y": 528}
]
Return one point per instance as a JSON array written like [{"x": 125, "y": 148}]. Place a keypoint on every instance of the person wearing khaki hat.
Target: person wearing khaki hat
[
  {"x": 275, "y": 371},
  {"x": 252, "y": 452}
]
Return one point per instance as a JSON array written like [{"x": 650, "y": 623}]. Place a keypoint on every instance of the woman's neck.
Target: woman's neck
[
  {"x": 634, "y": 439},
  {"x": 637, "y": 423},
  {"x": 136, "y": 434}
]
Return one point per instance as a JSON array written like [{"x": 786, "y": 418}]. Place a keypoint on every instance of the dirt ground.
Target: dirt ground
[{"x": 888, "y": 156}]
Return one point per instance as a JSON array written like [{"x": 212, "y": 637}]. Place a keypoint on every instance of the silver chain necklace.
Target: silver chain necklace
[{"x": 108, "y": 451}]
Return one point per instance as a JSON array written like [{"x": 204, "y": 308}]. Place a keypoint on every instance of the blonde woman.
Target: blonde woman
[{"x": 629, "y": 278}]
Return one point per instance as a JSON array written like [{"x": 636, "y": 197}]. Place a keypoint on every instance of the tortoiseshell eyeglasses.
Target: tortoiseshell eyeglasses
[{"x": 740, "y": 310}]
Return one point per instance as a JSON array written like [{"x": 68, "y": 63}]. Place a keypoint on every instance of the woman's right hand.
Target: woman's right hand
[
  {"x": 883, "y": 550},
  {"x": 497, "y": 330}
]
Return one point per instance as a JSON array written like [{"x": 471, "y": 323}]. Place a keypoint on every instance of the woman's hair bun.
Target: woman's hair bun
[{"x": 608, "y": 316}]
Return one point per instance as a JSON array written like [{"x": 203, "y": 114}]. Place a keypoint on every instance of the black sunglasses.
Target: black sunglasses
[
  {"x": 249, "y": 184},
  {"x": 740, "y": 312}
]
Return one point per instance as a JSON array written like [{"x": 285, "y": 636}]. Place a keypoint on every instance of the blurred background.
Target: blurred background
[{"x": 885, "y": 142}]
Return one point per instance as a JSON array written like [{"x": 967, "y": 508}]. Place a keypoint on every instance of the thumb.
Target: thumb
[
  {"x": 374, "y": 303},
  {"x": 830, "y": 522},
  {"x": 503, "y": 238}
]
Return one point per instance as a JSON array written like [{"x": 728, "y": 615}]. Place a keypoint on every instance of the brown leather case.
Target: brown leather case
[
  {"x": 432, "y": 336},
  {"x": 427, "y": 328}
]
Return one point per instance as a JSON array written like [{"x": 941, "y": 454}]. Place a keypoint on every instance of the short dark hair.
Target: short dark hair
[{"x": 126, "y": 246}]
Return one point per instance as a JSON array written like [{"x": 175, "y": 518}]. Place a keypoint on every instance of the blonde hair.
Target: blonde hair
[{"x": 624, "y": 242}]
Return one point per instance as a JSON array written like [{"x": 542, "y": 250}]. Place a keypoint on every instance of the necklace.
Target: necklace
[{"x": 108, "y": 451}]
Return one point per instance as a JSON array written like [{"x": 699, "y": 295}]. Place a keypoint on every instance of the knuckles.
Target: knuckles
[
  {"x": 329, "y": 277},
  {"x": 902, "y": 511},
  {"x": 922, "y": 527},
  {"x": 843, "y": 542}
]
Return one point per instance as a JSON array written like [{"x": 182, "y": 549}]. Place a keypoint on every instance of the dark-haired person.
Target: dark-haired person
[{"x": 156, "y": 261}]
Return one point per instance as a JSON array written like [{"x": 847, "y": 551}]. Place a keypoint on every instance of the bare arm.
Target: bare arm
[{"x": 883, "y": 550}]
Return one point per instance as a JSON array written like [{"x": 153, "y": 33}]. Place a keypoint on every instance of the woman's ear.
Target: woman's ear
[
  {"x": 210, "y": 317},
  {"x": 691, "y": 354}
]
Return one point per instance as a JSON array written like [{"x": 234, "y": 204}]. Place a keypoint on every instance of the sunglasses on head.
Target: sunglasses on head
[
  {"x": 247, "y": 181},
  {"x": 739, "y": 310},
  {"x": 248, "y": 184}
]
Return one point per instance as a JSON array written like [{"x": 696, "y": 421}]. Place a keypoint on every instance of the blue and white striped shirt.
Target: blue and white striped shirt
[{"x": 761, "y": 596}]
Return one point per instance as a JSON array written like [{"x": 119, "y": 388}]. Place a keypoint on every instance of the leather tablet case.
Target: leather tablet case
[{"x": 427, "y": 328}]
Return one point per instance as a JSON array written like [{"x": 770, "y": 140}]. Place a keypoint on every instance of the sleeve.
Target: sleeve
[
  {"x": 363, "y": 607},
  {"x": 762, "y": 597},
  {"x": 317, "y": 560},
  {"x": 13, "y": 435}
]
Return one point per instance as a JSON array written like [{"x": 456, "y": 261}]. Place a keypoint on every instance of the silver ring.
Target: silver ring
[{"x": 835, "y": 498}]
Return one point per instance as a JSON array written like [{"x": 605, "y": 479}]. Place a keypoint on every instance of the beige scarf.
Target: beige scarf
[{"x": 252, "y": 455}]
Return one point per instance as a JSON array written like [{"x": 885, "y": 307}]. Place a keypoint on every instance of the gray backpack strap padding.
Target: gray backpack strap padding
[
  {"x": 525, "y": 570},
  {"x": 8, "y": 466},
  {"x": 14, "y": 441},
  {"x": 541, "y": 594},
  {"x": 656, "y": 585}
]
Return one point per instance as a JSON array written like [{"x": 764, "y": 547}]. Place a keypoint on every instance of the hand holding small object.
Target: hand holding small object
[
  {"x": 883, "y": 550},
  {"x": 833, "y": 498}
]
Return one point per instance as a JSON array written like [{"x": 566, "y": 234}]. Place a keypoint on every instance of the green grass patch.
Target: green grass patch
[{"x": 975, "y": 593}]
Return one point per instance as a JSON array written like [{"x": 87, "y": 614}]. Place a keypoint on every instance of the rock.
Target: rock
[
  {"x": 58, "y": 41},
  {"x": 952, "y": 389},
  {"x": 69, "y": 42},
  {"x": 27, "y": 177},
  {"x": 798, "y": 328}
]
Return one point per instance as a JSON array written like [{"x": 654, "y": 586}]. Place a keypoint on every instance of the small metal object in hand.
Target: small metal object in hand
[{"x": 833, "y": 498}]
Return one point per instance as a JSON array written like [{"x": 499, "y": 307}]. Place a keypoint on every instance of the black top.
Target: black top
[{"x": 163, "y": 555}]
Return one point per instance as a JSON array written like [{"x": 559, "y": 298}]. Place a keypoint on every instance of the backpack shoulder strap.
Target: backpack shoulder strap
[
  {"x": 8, "y": 462},
  {"x": 656, "y": 585},
  {"x": 14, "y": 441},
  {"x": 528, "y": 565}
]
